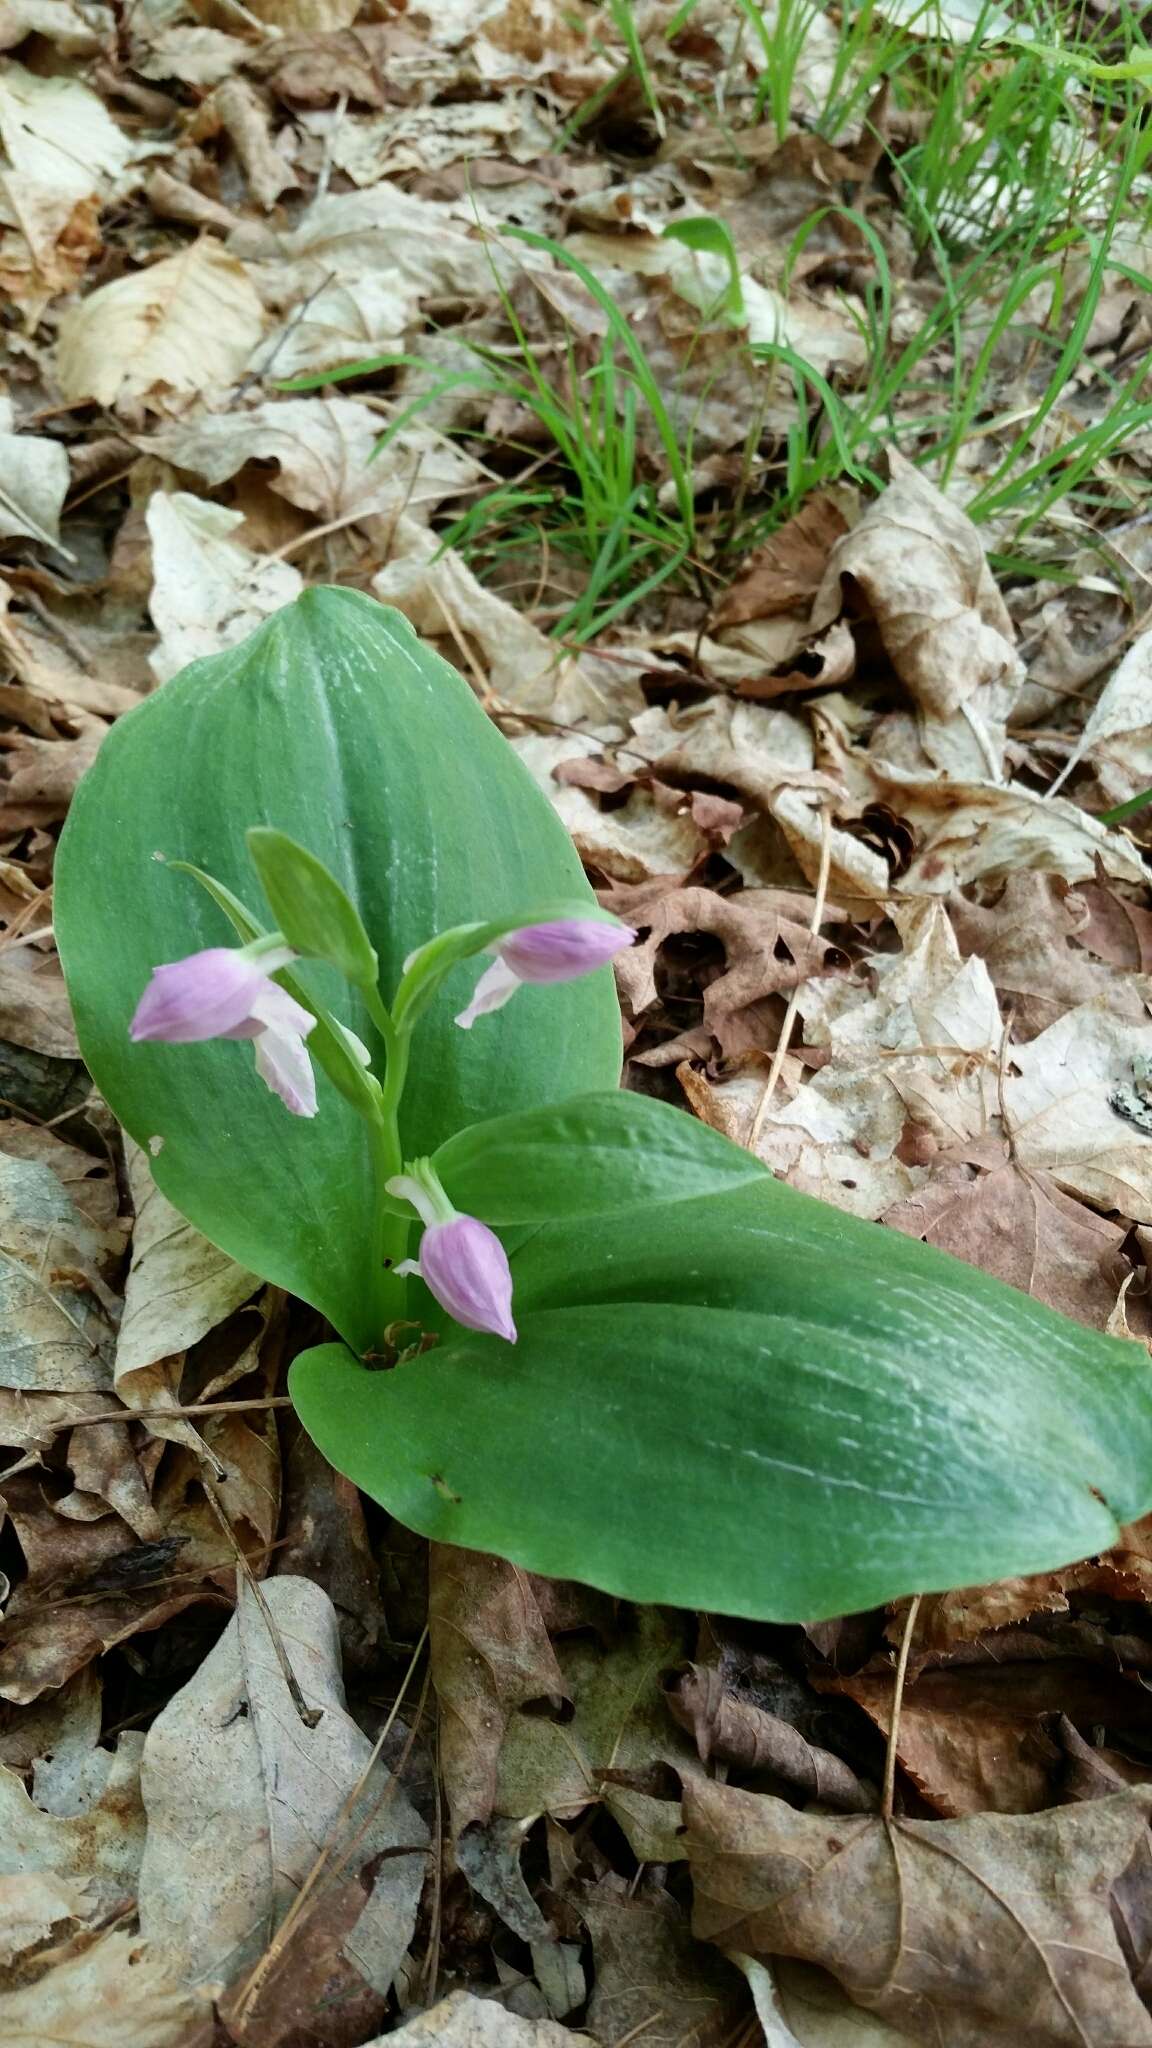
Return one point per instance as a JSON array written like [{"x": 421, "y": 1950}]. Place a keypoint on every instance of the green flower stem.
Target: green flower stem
[{"x": 388, "y": 1160}]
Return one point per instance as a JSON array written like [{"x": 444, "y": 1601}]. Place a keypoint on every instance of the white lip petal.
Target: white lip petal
[
  {"x": 496, "y": 986},
  {"x": 282, "y": 1062},
  {"x": 276, "y": 1010}
]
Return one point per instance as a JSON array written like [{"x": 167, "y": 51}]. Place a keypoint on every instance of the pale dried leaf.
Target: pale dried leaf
[
  {"x": 97, "y": 1849},
  {"x": 56, "y": 1336},
  {"x": 231, "y": 1754},
  {"x": 186, "y": 325},
  {"x": 118, "y": 1994},
  {"x": 463, "y": 2021},
  {"x": 1079, "y": 1107},
  {"x": 209, "y": 592},
  {"x": 33, "y": 485},
  {"x": 326, "y": 452}
]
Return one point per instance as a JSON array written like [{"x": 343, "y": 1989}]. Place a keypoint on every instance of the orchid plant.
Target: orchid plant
[{"x": 571, "y": 1324}]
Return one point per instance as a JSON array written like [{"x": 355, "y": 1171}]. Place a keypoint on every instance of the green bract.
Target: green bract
[{"x": 722, "y": 1391}]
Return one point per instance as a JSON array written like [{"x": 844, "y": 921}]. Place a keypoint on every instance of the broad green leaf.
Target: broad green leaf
[
  {"x": 756, "y": 1404},
  {"x": 595, "y": 1155},
  {"x": 334, "y": 724},
  {"x": 309, "y": 906}
]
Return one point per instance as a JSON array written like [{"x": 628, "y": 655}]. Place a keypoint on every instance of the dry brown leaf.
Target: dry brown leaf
[
  {"x": 491, "y": 1655},
  {"x": 1023, "y": 1229},
  {"x": 120, "y": 1993},
  {"x": 34, "y": 1006},
  {"x": 730, "y": 1730},
  {"x": 1027, "y": 942},
  {"x": 766, "y": 950},
  {"x": 230, "y": 1752},
  {"x": 653, "y": 1980},
  {"x": 187, "y": 325},
  {"x": 964, "y": 1762},
  {"x": 42, "y": 775},
  {"x": 968, "y": 1932},
  {"x": 788, "y": 569},
  {"x": 916, "y": 561},
  {"x": 1123, "y": 711},
  {"x": 239, "y": 109}
]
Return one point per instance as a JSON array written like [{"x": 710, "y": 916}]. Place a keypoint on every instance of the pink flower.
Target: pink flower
[
  {"x": 461, "y": 1261},
  {"x": 225, "y": 993},
  {"x": 544, "y": 952}
]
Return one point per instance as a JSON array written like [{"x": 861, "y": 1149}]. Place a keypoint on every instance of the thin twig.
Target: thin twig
[
  {"x": 790, "y": 1014},
  {"x": 308, "y": 1715},
  {"x": 889, "y": 1788},
  {"x": 177, "y": 1414}
]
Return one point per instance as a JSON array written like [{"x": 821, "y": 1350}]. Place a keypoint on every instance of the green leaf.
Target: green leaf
[
  {"x": 310, "y": 908},
  {"x": 335, "y": 724},
  {"x": 756, "y": 1404},
  {"x": 598, "y": 1154},
  {"x": 712, "y": 238}
]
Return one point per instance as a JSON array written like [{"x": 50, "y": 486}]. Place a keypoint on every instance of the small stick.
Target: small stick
[
  {"x": 790, "y": 1014},
  {"x": 176, "y": 1414},
  {"x": 889, "y": 1787},
  {"x": 309, "y": 1715}
]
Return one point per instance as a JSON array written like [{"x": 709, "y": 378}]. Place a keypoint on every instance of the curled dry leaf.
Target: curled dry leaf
[
  {"x": 730, "y": 1730},
  {"x": 916, "y": 562},
  {"x": 966, "y": 1932},
  {"x": 789, "y": 569},
  {"x": 491, "y": 1655},
  {"x": 64, "y": 152},
  {"x": 186, "y": 325}
]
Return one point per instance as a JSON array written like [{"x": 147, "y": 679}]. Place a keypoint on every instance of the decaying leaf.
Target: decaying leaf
[
  {"x": 463, "y": 2021},
  {"x": 97, "y": 1848},
  {"x": 491, "y": 1655},
  {"x": 1080, "y": 1110},
  {"x": 736, "y": 1731},
  {"x": 653, "y": 1980},
  {"x": 57, "y": 1336},
  {"x": 620, "y": 1723},
  {"x": 965, "y": 1932},
  {"x": 188, "y": 324},
  {"x": 33, "y": 482}
]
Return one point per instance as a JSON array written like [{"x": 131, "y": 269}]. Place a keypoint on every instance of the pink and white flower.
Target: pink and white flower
[
  {"x": 461, "y": 1261},
  {"x": 559, "y": 951},
  {"x": 225, "y": 992}
]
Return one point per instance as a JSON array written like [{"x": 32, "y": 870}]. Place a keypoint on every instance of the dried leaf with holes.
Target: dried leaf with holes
[{"x": 1080, "y": 1107}]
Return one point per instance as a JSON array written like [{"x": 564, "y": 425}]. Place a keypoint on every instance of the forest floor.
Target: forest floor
[{"x": 754, "y": 404}]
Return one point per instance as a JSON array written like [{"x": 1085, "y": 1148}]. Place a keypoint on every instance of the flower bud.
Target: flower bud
[
  {"x": 465, "y": 1266},
  {"x": 205, "y": 996}
]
